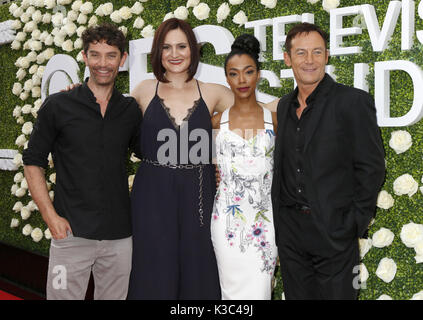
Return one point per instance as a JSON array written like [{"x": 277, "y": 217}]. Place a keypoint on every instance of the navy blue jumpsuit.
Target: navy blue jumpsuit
[{"x": 173, "y": 256}]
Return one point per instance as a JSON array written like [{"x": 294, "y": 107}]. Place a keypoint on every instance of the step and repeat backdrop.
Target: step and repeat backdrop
[{"x": 375, "y": 45}]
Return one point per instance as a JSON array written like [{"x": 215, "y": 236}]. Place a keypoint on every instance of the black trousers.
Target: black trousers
[{"x": 310, "y": 269}]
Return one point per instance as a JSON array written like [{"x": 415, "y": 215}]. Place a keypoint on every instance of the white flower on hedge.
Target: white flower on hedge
[
  {"x": 330, "y": 4},
  {"x": 80, "y": 30},
  {"x": 17, "y": 206},
  {"x": 27, "y": 128},
  {"x": 240, "y": 18},
  {"x": 48, "y": 53},
  {"x": 86, "y": 8},
  {"x": 17, "y": 88},
  {"x": 411, "y": 234},
  {"x": 37, "y": 234},
  {"x": 269, "y": 3},
  {"x": 364, "y": 273},
  {"x": 25, "y": 213},
  {"x": 36, "y": 80},
  {"x": 57, "y": 19},
  {"x": 29, "y": 27},
  {"x": 14, "y": 223},
  {"x": 16, "y": 45},
  {"x": 148, "y": 31},
  {"x": 52, "y": 178},
  {"x": 25, "y": 17},
  {"x": 137, "y": 8},
  {"x": 365, "y": 245},
  {"x": 93, "y": 21},
  {"x": 76, "y": 5},
  {"x": 107, "y": 8},
  {"x": 82, "y": 19},
  {"x": 17, "y": 159},
  {"x": 400, "y": 141},
  {"x": 12, "y": 8},
  {"x": 168, "y": 16},
  {"x": 115, "y": 16},
  {"x": 385, "y": 200},
  {"x": 67, "y": 45},
  {"x": 125, "y": 13},
  {"x": 51, "y": 195},
  {"x": 181, "y": 13},
  {"x": 32, "y": 56},
  {"x": 72, "y": 16},
  {"x": 36, "y": 92},
  {"x": 134, "y": 158},
  {"x": 36, "y": 34},
  {"x": 419, "y": 252},
  {"x": 39, "y": 3},
  {"x": 78, "y": 43},
  {"x": 386, "y": 270},
  {"x": 49, "y": 4},
  {"x": 16, "y": 25},
  {"x": 58, "y": 41},
  {"x": 138, "y": 23},
  {"x": 32, "y": 206},
  {"x": 70, "y": 28},
  {"x": 47, "y": 234},
  {"x": 13, "y": 189},
  {"x": 222, "y": 12},
  {"x": 20, "y": 141},
  {"x": 46, "y": 18},
  {"x": 49, "y": 40},
  {"x": 418, "y": 296},
  {"x": 201, "y": 11},
  {"x": 384, "y": 297},
  {"x": 192, "y": 3},
  {"x": 79, "y": 57},
  {"x": 24, "y": 184},
  {"x": 24, "y": 95},
  {"x": 235, "y": 2},
  {"x": 20, "y": 192},
  {"x": 99, "y": 11},
  {"x": 382, "y": 238},
  {"x": 35, "y": 45},
  {"x": 20, "y": 74},
  {"x": 37, "y": 16},
  {"x": 131, "y": 181},
  {"x": 124, "y": 30},
  {"x": 20, "y": 36},
  {"x": 18, "y": 12},
  {"x": 405, "y": 184},
  {"x": 17, "y": 112}
]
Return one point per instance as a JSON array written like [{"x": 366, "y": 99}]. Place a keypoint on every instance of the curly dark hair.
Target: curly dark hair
[
  {"x": 107, "y": 32},
  {"x": 245, "y": 44}
]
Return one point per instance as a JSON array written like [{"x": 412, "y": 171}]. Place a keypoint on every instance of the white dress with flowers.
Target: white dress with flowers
[{"x": 242, "y": 229}]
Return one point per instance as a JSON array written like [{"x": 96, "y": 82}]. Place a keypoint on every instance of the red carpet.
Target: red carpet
[{"x": 6, "y": 296}]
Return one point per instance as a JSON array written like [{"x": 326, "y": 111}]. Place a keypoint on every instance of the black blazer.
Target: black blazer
[{"x": 344, "y": 166}]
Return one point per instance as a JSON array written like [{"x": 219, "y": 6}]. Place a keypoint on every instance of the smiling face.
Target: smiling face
[
  {"x": 103, "y": 61},
  {"x": 308, "y": 57},
  {"x": 176, "y": 53},
  {"x": 242, "y": 75}
]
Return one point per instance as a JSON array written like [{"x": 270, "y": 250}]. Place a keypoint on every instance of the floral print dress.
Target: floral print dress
[{"x": 242, "y": 229}]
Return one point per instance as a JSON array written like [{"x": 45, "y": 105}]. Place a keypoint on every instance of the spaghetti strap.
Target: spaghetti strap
[
  {"x": 198, "y": 86},
  {"x": 157, "y": 86}
]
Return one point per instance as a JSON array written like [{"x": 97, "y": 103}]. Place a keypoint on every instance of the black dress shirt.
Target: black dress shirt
[
  {"x": 90, "y": 154},
  {"x": 293, "y": 184}
]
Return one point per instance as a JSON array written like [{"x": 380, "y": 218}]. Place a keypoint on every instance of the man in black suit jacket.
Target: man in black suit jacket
[{"x": 328, "y": 169}]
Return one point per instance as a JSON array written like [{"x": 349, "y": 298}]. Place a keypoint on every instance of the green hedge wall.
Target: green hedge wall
[{"x": 409, "y": 277}]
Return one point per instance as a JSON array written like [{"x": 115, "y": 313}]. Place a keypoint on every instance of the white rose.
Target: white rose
[
  {"x": 20, "y": 36},
  {"x": 131, "y": 181},
  {"x": 32, "y": 56},
  {"x": 82, "y": 19},
  {"x": 78, "y": 43},
  {"x": 411, "y": 234},
  {"x": 36, "y": 80},
  {"x": 384, "y": 297},
  {"x": 418, "y": 296},
  {"x": 125, "y": 13},
  {"x": 269, "y": 3},
  {"x": 16, "y": 45},
  {"x": 364, "y": 273},
  {"x": 148, "y": 31},
  {"x": 14, "y": 223},
  {"x": 181, "y": 13},
  {"x": 18, "y": 13},
  {"x": 48, "y": 53},
  {"x": 12, "y": 8},
  {"x": 400, "y": 141},
  {"x": 365, "y": 245},
  {"x": 86, "y": 8},
  {"x": 124, "y": 30},
  {"x": 138, "y": 23},
  {"x": 382, "y": 238},
  {"x": 201, "y": 11},
  {"x": 37, "y": 234},
  {"x": 13, "y": 189},
  {"x": 192, "y": 3},
  {"x": 24, "y": 184},
  {"x": 37, "y": 16},
  {"x": 36, "y": 92},
  {"x": 405, "y": 184},
  {"x": 30, "y": 26},
  {"x": 80, "y": 30},
  {"x": 18, "y": 177},
  {"x": 25, "y": 17},
  {"x": 240, "y": 18},
  {"x": 49, "y": 4},
  {"x": 79, "y": 57},
  {"x": 46, "y": 18},
  {"x": 17, "y": 159},
  {"x": 72, "y": 16},
  {"x": 386, "y": 270},
  {"x": 35, "y": 45},
  {"x": 51, "y": 195},
  {"x": 57, "y": 19},
  {"x": 134, "y": 158},
  {"x": 20, "y": 141},
  {"x": 115, "y": 16},
  {"x": 70, "y": 28},
  {"x": 137, "y": 8},
  {"x": 47, "y": 234},
  {"x": 26, "y": 109},
  {"x": 27, "y": 128},
  {"x": 93, "y": 21},
  {"x": 385, "y": 200},
  {"x": 58, "y": 41},
  {"x": 107, "y": 8},
  {"x": 36, "y": 34},
  {"x": 67, "y": 45},
  {"x": 330, "y": 4},
  {"x": 24, "y": 95},
  {"x": 16, "y": 25},
  {"x": 17, "y": 206},
  {"x": 27, "y": 229},
  {"x": 39, "y": 3},
  {"x": 76, "y": 5},
  {"x": 222, "y": 12},
  {"x": 25, "y": 213},
  {"x": 17, "y": 88},
  {"x": 20, "y": 74},
  {"x": 168, "y": 15},
  {"x": 418, "y": 247},
  {"x": 99, "y": 11},
  {"x": 33, "y": 69},
  {"x": 52, "y": 178},
  {"x": 17, "y": 112},
  {"x": 49, "y": 40},
  {"x": 235, "y": 2},
  {"x": 32, "y": 206}
]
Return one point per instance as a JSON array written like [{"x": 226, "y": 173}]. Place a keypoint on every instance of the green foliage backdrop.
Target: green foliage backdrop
[{"x": 409, "y": 277}]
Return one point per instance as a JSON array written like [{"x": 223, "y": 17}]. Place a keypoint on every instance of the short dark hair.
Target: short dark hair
[
  {"x": 156, "y": 50},
  {"x": 306, "y": 28},
  {"x": 107, "y": 32},
  {"x": 245, "y": 44}
]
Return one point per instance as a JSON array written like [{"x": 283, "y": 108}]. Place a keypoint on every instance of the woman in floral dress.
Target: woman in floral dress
[{"x": 242, "y": 220}]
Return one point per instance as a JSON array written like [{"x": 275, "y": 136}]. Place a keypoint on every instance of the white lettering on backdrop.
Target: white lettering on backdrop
[{"x": 63, "y": 69}]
